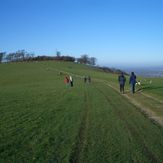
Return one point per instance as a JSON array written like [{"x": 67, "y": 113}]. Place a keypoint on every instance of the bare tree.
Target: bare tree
[
  {"x": 58, "y": 53},
  {"x": 2, "y": 54},
  {"x": 84, "y": 59},
  {"x": 93, "y": 61}
]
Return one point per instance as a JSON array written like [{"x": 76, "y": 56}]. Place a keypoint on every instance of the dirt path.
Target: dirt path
[{"x": 152, "y": 115}]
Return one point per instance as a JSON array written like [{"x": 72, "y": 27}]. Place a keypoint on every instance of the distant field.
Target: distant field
[{"x": 42, "y": 120}]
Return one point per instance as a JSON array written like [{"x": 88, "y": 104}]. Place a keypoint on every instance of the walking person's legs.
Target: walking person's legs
[
  {"x": 71, "y": 84},
  {"x": 123, "y": 89},
  {"x": 133, "y": 88}
]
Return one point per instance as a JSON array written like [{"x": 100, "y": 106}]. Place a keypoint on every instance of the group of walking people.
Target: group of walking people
[
  {"x": 122, "y": 81},
  {"x": 87, "y": 79},
  {"x": 68, "y": 80}
]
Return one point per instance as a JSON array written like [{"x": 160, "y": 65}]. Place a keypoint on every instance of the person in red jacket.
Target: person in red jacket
[{"x": 66, "y": 80}]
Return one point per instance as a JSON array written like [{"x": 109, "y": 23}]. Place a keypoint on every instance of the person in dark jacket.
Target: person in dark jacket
[
  {"x": 122, "y": 80},
  {"x": 132, "y": 82},
  {"x": 85, "y": 79},
  {"x": 89, "y": 79}
]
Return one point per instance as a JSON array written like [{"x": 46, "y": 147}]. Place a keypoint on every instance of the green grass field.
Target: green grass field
[{"x": 42, "y": 120}]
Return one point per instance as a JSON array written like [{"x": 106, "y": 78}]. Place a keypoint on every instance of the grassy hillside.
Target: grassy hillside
[
  {"x": 155, "y": 88},
  {"x": 42, "y": 120}
]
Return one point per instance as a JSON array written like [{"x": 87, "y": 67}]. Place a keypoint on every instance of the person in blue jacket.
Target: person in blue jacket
[{"x": 132, "y": 82}]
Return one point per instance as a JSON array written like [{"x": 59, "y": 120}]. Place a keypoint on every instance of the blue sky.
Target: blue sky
[{"x": 116, "y": 32}]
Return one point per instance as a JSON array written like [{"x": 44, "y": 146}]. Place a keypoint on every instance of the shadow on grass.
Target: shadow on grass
[
  {"x": 152, "y": 87},
  {"x": 144, "y": 89}
]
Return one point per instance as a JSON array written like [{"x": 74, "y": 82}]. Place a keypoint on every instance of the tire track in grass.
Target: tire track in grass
[
  {"x": 81, "y": 139},
  {"x": 149, "y": 154}
]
